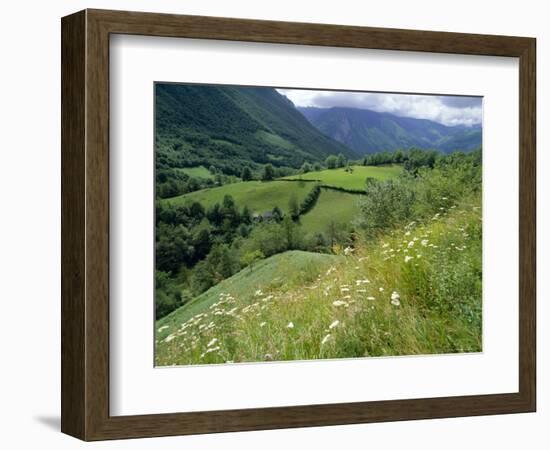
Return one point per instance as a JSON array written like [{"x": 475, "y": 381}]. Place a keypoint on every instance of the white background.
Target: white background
[
  {"x": 136, "y": 387},
  {"x": 30, "y": 238}
]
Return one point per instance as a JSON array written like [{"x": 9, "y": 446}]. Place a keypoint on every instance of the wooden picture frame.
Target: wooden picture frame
[{"x": 85, "y": 224}]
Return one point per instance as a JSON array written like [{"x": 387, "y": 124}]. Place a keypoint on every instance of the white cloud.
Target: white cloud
[{"x": 448, "y": 110}]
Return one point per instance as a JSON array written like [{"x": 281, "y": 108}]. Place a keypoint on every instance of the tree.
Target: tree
[
  {"x": 398, "y": 156},
  {"x": 317, "y": 167},
  {"x": 213, "y": 170},
  {"x": 246, "y": 174},
  {"x": 268, "y": 172},
  {"x": 215, "y": 214},
  {"x": 173, "y": 248},
  {"x": 246, "y": 217},
  {"x": 306, "y": 167},
  {"x": 227, "y": 264},
  {"x": 331, "y": 162},
  {"x": 243, "y": 230},
  {"x": 167, "y": 296},
  {"x": 341, "y": 160},
  {"x": 291, "y": 233},
  {"x": 249, "y": 258},
  {"x": 277, "y": 214},
  {"x": 333, "y": 233},
  {"x": 293, "y": 207},
  {"x": 201, "y": 242},
  {"x": 228, "y": 201},
  {"x": 197, "y": 211}
]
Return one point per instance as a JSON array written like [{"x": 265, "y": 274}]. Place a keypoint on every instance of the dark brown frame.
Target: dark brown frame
[{"x": 85, "y": 224}]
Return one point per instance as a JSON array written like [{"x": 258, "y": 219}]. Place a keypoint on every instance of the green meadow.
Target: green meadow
[
  {"x": 333, "y": 208},
  {"x": 258, "y": 196},
  {"x": 351, "y": 178},
  {"x": 198, "y": 172}
]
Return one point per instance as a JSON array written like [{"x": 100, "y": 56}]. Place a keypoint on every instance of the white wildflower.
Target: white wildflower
[
  {"x": 334, "y": 324},
  {"x": 424, "y": 242},
  {"x": 370, "y": 298},
  {"x": 344, "y": 289},
  {"x": 339, "y": 303},
  {"x": 210, "y": 350},
  {"x": 408, "y": 258},
  {"x": 410, "y": 244},
  {"x": 258, "y": 293},
  {"x": 170, "y": 337},
  {"x": 395, "y": 299},
  {"x": 385, "y": 245},
  {"x": 325, "y": 339},
  {"x": 348, "y": 251},
  {"x": 263, "y": 324},
  {"x": 212, "y": 342},
  {"x": 164, "y": 327},
  {"x": 381, "y": 289},
  {"x": 290, "y": 325}
]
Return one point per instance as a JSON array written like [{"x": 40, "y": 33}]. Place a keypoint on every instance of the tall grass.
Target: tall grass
[{"x": 413, "y": 290}]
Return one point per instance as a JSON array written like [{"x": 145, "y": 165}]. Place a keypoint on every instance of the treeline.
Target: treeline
[
  {"x": 173, "y": 182},
  {"x": 411, "y": 159}
]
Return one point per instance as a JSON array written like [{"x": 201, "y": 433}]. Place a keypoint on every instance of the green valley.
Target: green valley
[{"x": 279, "y": 240}]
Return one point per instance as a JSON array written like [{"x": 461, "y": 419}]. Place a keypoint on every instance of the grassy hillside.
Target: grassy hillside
[
  {"x": 415, "y": 290},
  {"x": 197, "y": 172},
  {"x": 259, "y": 196},
  {"x": 369, "y": 131},
  {"x": 296, "y": 267},
  {"x": 231, "y": 127},
  {"x": 351, "y": 180},
  {"x": 336, "y": 207}
]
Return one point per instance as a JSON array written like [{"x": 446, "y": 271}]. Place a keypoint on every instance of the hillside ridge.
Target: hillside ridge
[{"x": 367, "y": 131}]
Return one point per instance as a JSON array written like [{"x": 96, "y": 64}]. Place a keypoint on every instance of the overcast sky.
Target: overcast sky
[{"x": 448, "y": 110}]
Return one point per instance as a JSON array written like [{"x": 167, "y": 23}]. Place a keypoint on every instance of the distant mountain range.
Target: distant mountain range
[
  {"x": 367, "y": 131},
  {"x": 229, "y": 127}
]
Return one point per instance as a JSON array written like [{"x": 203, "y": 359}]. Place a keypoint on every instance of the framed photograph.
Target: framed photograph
[{"x": 272, "y": 225}]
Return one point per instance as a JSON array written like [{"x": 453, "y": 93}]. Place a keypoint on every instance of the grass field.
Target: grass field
[
  {"x": 273, "y": 273},
  {"x": 332, "y": 206},
  {"x": 416, "y": 290},
  {"x": 259, "y": 196},
  {"x": 197, "y": 172},
  {"x": 354, "y": 180}
]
